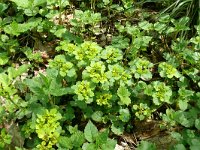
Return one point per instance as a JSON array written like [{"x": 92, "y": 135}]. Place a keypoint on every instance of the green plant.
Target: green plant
[
  {"x": 83, "y": 18},
  {"x": 186, "y": 7},
  {"x": 97, "y": 140},
  {"x": 5, "y": 138},
  {"x": 167, "y": 70},
  {"x": 144, "y": 145},
  {"x": 97, "y": 68},
  {"x": 73, "y": 141},
  {"x": 160, "y": 92},
  {"x": 141, "y": 68},
  {"x": 84, "y": 91},
  {"x": 48, "y": 128},
  {"x": 142, "y": 111}
]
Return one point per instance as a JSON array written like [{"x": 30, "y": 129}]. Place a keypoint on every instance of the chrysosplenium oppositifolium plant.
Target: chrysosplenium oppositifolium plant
[{"x": 77, "y": 75}]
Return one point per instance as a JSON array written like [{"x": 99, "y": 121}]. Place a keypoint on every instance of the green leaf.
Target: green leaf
[
  {"x": 97, "y": 116},
  {"x": 117, "y": 128},
  {"x": 65, "y": 142},
  {"x": 183, "y": 104},
  {"x": 124, "y": 94},
  {"x": 38, "y": 2},
  {"x": 90, "y": 132},
  {"x": 23, "y": 4},
  {"x": 69, "y": 113},
  {"x": 195, "y": 144},
  {"x": 120, "y": 42},
  {"x": 3, "y": 58},
  {"x": 179, "y": 147},
  {"x": 197, "y": 124},
  {"x": 55, "y": 89},
  {"x": 3, "y": 7},
  {"x": 145, "y": 25},
  {"x": 71, "y": 72},
  {"x": 181, "y": 24},
  {"x": 124, "y": 115},
  {"x": 164, "y": 18},
  {"x": 13, "y": 73},
  {"x": 60, "y": 32},
  {"x": 37, "y": 109},
  {"x": 106, "y": 2},
  {"x": 144, "y": 145},
  {"x": 125, "y": 101},
  {"x": 177, "y": 136},
  {"x": 102, "y": 137},
  {"x": 77, "y": 139},
  {"x": 160, "y": 27},
  {"x": 73, "y": 130},
  {"x": 89, "y": 146},
  {"x": 17, "y": 28},
  {"x": 109, "y": 145}
]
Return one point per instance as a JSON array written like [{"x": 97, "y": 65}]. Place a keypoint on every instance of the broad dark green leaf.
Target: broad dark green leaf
[
  {"x": 102, "y": 137},
  {"x": 65, "y": 142},
  {"x": 90, "y": 132}
]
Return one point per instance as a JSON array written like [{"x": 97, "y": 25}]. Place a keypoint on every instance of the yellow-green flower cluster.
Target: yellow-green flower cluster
[
  {"x": 103, "y": 99},
  {"x": 167, "y": 70},
  {"x": 160, "y": 92},
  {"x": 141, "y": 68},
  {"x": 48, "y": 128},
  {"x": 84, "y": 91},
  {"x": 87, "y": 51},
  {"x": 111, "y": 54},
  {"x": 65, "y": 67},
  {"x": 95, "y": 72}
]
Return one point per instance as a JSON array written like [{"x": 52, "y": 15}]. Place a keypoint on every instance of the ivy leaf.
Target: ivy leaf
[
  {"x": 90, "y": 132},
  {"x": 124, "y": 94}
]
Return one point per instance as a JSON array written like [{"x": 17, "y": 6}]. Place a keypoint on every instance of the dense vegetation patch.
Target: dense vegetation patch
[{"x": 85, "y": 74}]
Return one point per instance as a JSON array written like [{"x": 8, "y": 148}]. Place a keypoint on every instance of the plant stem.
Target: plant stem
[{"x": 60, "y": 11}]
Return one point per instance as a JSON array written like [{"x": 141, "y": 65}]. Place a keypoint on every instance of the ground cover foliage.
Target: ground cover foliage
[{"x": 84, "y": 74}]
